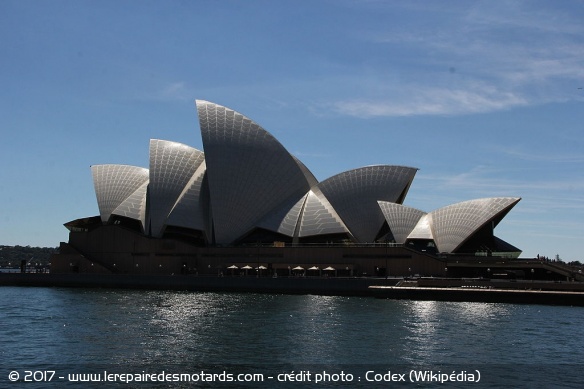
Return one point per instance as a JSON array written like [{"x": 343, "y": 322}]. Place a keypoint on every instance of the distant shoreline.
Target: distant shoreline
[{"x": 9, "y": 270}]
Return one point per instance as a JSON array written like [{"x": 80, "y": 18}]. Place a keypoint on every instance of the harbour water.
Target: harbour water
[{"x": 223, "y": 339}]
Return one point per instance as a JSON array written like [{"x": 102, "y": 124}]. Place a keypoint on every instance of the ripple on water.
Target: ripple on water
[{"x": 43, "y": 326}]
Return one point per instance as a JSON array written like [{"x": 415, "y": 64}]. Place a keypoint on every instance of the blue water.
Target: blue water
[{"x": 78, "y": 331}]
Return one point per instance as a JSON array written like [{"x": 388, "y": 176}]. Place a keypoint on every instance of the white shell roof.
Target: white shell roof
[
  {"x": 188, "y": 210},
  {"x": 319, "y": 217},
  {"x": 114, "y": 184},
  {"x": 354, "y": 195},
  {"x": 400, "y": 219},
  {"x": 247, "y": 179},
  {"x": 134, "y": 207},
  {"x": 423, "y": 229},
  {"x": 454, "y": 224},
  {"x": 284, "y": 219},
  {"x": 250, "y": 174},
  {"x": 172, "y": 165}
]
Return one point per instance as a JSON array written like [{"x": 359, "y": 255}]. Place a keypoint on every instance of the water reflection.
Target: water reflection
[
  {"x": 315, "y": 328},
  {"x": 451, "y": 331},
  {"x": 163, "y": 329}
]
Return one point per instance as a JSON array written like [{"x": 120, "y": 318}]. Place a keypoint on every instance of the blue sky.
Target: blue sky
[{"x": 483, "y": 97}]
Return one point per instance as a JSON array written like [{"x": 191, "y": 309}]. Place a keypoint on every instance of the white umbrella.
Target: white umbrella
[
  {"x": 247, "y": 267},
  {"x": 313, "y": 268},
  {"x": 259, "y": 269},
  {"x": 329, "y": 268},
  {"x": 298, "y": 268},
  {"x": 232, "y": 267}
]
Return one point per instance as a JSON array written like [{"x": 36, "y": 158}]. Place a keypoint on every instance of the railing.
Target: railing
[
  {"x": 567, "y": 270},
  {"x": 320, "y": 244}
]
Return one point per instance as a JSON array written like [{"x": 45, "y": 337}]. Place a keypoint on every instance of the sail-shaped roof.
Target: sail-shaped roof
[
  {"x": 354, "y": 195},
  {"x": 423, "y": 229},
  {"x": 454, "y": 224},
  {"x": 188, "y": 211},
  {"x": 134, "y": 206},
  {"x": 246, "y": 180},
  {"x": 172, "y": 165},
  {"x": 249, "y": 172},
  {"x": 400, "y": 219},
  {"x": 114, "y": 184},
  {"x": 319, "y": 217}
]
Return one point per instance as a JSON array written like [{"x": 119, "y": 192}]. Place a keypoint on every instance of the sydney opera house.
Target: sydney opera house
[{"x": 244, "y": 204}]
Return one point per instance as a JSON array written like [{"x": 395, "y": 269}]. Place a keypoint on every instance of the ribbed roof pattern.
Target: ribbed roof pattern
[
  {"x": 423, "y": 229},
  {"x": 172, "y": 165},
  {"x": 249, "y": 172},
  {"x": 319, "y": 217},
  {"x": 188, "y": 211},
  {"x": 247, "y": 180},
  {"x": 354, "y": 195},
  {"x": 114, "y": 184},
  {"x": 284, "y": 219},
  {"x": 134, "y": 207},
  {"x": 454, "y": 224},
  {"x": 401, "y": 219}
]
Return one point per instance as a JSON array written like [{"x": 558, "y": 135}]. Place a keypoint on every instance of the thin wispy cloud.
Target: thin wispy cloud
[
  {"x": 161, "y": 91},
  {"x": 504, "y": 57},
  {"x": 541, "y": 157},
  {"x": 175, "y": 91},
  {"x": 432, "y": 101},
  {"x": 469, "y": 181},
  {"x": 485, "y": 181}
]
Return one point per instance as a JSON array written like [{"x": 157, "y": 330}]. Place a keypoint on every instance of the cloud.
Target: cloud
[
  {"x": 541, "y": 157},
  {"x": 499, "y": 58},
  {"x": 476, "y": 180},
  {"x": 175, "y": 91},
  {"x": 432, "y": 101},
  {"x": 161, "y": 91},
  {"x": 484, "y": 181}
]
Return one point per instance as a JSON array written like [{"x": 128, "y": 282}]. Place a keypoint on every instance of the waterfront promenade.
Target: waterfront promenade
[{"x": 438, "y": 289}]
